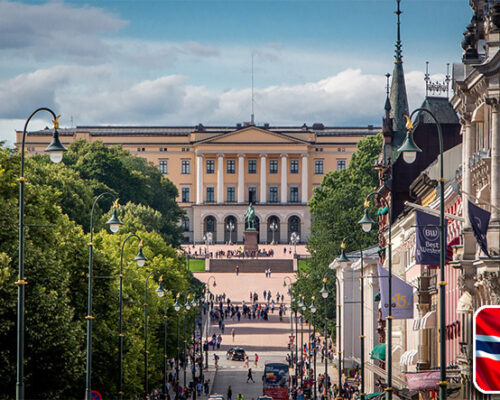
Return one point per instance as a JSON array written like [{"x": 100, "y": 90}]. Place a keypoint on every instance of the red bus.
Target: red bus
[{"x": 276, "y": 381}]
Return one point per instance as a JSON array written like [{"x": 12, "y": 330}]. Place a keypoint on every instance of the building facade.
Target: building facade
[{"x": 220, "y": 170}]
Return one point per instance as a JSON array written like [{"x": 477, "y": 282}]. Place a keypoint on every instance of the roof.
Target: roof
[
  {"x": 115, "y": 130},
  {"x": 441, "y": 108}
]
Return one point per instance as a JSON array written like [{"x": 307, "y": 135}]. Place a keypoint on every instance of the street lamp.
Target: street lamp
[
  {"x": 161, "y": 292},
  {"x": 410, "y": 150},
  {"x": 295, "y": 238},
  {"x": 187, "y": 307},
  {"x": 294, "y": 304},
  {"x": 55, "y": 150},
  {"x": 230, "y": 228},
  {"x": 313, "y": 309},
  {"x": 114, "y": 225},
  {"x": 339, "y": 324},
  {"x": 207, "y": 237},
  {"x": 177, "y": 308},
  {"x": 324, "y": 293},
  {"x": 366, "y": 224},
  {"x": 274, "y": 227},
  {"x": 208, "y": 281},
  {"x": 140, "y": 259},
  {"x": 343, "y": 260},
  {"x": 284, "y": 281},
  {"x": 146, "y": 351}
]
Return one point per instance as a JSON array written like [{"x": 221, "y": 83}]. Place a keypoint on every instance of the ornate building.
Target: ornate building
[
  {"x": 476, "y": 82},
  {"x": 219, "y": 170}
]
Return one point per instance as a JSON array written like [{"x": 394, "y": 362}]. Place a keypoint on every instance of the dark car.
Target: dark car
[{"x": 236, "y": 354}]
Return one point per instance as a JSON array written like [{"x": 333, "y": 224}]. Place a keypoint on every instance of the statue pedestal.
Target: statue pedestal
[{"x": 250, "y": 241}]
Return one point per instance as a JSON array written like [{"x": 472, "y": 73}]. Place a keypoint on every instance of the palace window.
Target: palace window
[
  {"x": 252, "y": 194},
  {"x": 163, "y": 165},
  {"x": 231, "y": 194},
  {"x": 185, "y": 194},
  {"x": 273, "y": 166},
  {"x": 318, "y": 166},
  {"x": 273, "y": 194},
  {"x": 294, "y": 194},
  {"x": 210, "y": 166},
  {"x": 340, "y": 164},
  {"x": 294, "y": 166},
  {"x": 210, "y": 194},
  {"x": 230, "y": 166},
  {"x": 252, "y": 166},
  {"x": 185, "y": 167},
  {"x": 185, "y": 224}
]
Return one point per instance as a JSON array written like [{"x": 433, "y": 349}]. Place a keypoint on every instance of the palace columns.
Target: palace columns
[
  {"x": 199, "y": 179},
  {"x": 241, "y": 178},
  {"x": 304, "y": 190},
  {"x": 495, "y": 163},
  {"x": 220, "y": 178},
  {"x": 284, "y": 171},
  {"x": 263, "y": 182}
]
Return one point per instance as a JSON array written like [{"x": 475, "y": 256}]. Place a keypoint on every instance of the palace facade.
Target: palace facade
[{"x": 220, "y": 170}]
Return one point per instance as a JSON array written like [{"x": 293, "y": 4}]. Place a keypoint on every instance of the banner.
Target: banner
[
  {"x": 428, "y": 238},
  {"x": 402, "y": 296},
  {"x": 479, "y": 220},
  {"x": 423, "y": 380}
]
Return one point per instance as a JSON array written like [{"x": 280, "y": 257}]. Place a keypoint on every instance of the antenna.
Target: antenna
[
  {"x": 252, "y": 117},
  {"x": 427, "y": 78},
  {"x": 399, "y": 56}
]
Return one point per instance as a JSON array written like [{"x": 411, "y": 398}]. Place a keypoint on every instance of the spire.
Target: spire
[
  {"x": 387, "y": 106},
  {"x": 398, "y": 97}
]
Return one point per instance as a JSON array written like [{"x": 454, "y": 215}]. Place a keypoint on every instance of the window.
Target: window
[
  {"x": 231, "y": 194},
  {"x": 141, "y": 149},
  {"x": 340, "y": 164},
  {"x": 163, "y": 166},
  {"x": 185, "y": 167},
  {"x": 252, "y": 194},
  {"x": 294, "y": 166},
  {"x": 185, "y": 224},
  {"x": 252, "y": 166},
  {"x": 318, "y": 166},
  {"x": 163, "y": 149},
  {"x": 273, "y": 166},
  {"x": 341, "y": 149},
  {"x": 210, "y": 166},
  {"x": 294, "y": 194},
  {"x": 230, "y": 166},
  {"x": 273, "y": 194},
  {"x": 185, "y": 194},
  {"x": 210, "y": 194}
]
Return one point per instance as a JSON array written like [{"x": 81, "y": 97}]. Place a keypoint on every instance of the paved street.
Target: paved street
[{"x": 268, "y": 339}]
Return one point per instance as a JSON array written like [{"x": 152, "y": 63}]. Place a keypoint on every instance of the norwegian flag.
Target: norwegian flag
[{"x": 487, "y": 349}]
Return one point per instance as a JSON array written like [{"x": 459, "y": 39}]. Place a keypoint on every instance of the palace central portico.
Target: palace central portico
[{"x": 220, "y": 170}]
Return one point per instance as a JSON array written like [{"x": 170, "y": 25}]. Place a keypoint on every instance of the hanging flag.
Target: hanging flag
[
  {"x": 487, "y": 349},
  {"x": 479, "y": 219},
  {"x": 402, "y": 296},
  {"x": 428, "y": 238}
]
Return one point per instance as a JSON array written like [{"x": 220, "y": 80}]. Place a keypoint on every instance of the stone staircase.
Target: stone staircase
[{"x": 251, "y": 265}]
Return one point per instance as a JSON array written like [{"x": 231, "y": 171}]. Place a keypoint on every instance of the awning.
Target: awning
[
  {"x": 373, "y": 395},
  {"x": 428, "y": 320},
  {"x": 409, "y": 358},
  {"x": 478, "y": 114},
  {"x": 376, "y": 297},
  {"x": 423, "y": 380},
  {"x": 378, "y": 352}
]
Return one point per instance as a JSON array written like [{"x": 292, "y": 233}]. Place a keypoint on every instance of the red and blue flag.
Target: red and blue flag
[{"x": 487, "y": 349}]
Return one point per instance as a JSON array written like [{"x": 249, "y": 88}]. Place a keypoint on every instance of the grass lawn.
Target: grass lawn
[
  {"x": 302, "y": 264},
  {"x": 197, "y": 265}
]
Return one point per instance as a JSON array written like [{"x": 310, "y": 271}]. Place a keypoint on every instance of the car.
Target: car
[
  {"x": 216, "y": 397},
  {"x": 235, "y": 354},
  {"x": 264, "y": 398}
]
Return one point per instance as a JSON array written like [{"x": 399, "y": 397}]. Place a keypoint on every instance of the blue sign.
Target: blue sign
[{"x": 95, "y": 395}]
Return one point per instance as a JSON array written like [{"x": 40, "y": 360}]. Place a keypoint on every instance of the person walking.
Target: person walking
[
  {"x": 239, "y": 397},
  {"x": 256, "y": 359},
  {"x": 233, "y": 332},
  {"x": 237, "y": 269},
  {"x": 249, "y": 376},
  {"x": 229, "y": 392}
]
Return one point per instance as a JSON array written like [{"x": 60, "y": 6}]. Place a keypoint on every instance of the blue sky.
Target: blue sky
[{"x": 184, "y": 62}]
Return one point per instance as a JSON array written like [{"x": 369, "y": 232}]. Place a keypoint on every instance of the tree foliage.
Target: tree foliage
[{"x": 56, "y": 269}]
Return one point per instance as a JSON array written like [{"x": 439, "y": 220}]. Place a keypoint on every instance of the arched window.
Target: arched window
[{"x": 293, "y": 226}]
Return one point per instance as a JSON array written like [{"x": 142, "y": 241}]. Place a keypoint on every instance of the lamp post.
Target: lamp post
[
  {"x": 343, "y": 260},
  {"x": 140, "y": 259},
  {"x": 146, "y": 351},
  {"x": 366, "y": 224},
  {"x": 302, "y": 307},
  {"x": 284, "y": 281},
  {"x": 187, "y": 307},
  {"x": 295, "y": 238},
  {"x": 114, "y": 225},
  {"x": 312, "y": 309},
  {"x": 274, "y": 227},
  {"x": 230, "y": 228},
  {"x": 410, "y": 150},
  {"x": 339, "y": 324},
  {"x": 324, "y": 293},
  {"x": 207, "y": 237},
  {"x": 161, "y": 292},
  {"x": 177, "y": 308},
  {"x": 194, "y": 303},
  {"x": 55, "y": 150}
]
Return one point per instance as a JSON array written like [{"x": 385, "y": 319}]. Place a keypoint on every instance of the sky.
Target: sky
[{"x": 184, "y": 62}]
